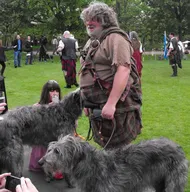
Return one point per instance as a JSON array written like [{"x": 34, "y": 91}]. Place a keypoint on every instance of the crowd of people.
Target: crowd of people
[{"x": 110, "y": 79}]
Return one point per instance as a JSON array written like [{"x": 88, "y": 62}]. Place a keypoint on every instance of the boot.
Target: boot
[
  {"x": 68, "y": 86},
  {"x": 66, "y": 80},
  {"x": 174, "y": 71}
]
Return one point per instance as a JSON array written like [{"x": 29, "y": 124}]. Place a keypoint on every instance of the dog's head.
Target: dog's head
[
  {"x": 63, "y": 155},
  {"x": 73, "y": 103}
]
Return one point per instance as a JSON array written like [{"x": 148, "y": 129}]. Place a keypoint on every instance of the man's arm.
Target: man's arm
[
  {"x": 170, "y": 48},
  {"x": 119, "y": 84},
  {"x": 60, "y": 46}
]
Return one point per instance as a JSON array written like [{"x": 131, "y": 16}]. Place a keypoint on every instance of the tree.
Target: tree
[{"x": 174, "y": 12}]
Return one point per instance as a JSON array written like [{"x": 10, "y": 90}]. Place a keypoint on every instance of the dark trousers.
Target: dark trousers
[{"x": 3, "y": 67}]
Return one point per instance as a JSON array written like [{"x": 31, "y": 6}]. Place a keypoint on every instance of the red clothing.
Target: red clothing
[
  {"x": 138, "y": 58},
  {"x": 70, "y": 67},
  {"x": 37, "y": 153}
]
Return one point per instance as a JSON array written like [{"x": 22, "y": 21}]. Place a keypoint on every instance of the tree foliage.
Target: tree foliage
[{"x": 150, "y": 18}]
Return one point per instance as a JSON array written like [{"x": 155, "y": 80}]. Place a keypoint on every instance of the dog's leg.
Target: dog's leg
[
  {"x": 68, "y": 180},
  {"x": 160, "y": 186},
  {"x": 177, "y": 179}
]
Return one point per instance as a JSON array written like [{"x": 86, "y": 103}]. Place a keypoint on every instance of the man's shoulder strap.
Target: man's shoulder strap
[{"x": 114, "y": 30}]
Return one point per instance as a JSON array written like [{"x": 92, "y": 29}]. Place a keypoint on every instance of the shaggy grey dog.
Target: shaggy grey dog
[
  {"x": 35, "y": 125},
  {"x": 157, "y": 164}
]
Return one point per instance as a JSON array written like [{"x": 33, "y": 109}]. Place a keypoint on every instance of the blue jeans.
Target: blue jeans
[
  {"x": 17, "y": 58},
  {"x": 29, "y": 58}
]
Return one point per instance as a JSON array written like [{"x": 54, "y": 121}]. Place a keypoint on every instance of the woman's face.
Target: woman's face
[{"x": 52, "y": 94}]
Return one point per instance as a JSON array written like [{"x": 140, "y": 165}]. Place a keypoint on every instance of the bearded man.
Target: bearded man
[{"x": 109, "y": 80}]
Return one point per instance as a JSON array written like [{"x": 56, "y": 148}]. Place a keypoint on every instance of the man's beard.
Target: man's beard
[{"x": 96, "y": 33}]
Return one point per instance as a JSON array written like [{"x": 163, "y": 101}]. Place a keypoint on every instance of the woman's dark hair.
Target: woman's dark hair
[{"x": 51, "y": 85}]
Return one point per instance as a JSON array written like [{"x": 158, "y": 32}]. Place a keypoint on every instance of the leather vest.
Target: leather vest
[{"x": 69, "y": 51}]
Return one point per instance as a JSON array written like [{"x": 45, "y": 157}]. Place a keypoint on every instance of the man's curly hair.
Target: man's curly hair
[{"x": 101, "y": 12}]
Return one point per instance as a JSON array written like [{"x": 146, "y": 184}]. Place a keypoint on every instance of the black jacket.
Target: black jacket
[
  {"x": 28, "y": 46},
  {"x": 15, "y": 43}
]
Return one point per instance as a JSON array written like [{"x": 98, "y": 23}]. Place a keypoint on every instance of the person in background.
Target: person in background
[
  {"x": 54, "y": 43},
  {"x": 3, "y": 57},
  {"x": 29, "y": 50},
  {"x": 109, "y": 82},
  {"x": 181, "y": 51},
  {"x": 173, "y": 51},
  {"x": 51, "y": 93},
  {"x": 68, "y": 47},
  {"x": 42, "y": 53},
  {"x": 17, "y": 44},
  {"x": 137, "y": 54}
]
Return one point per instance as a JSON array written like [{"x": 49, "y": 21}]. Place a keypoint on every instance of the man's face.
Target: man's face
[
  {"x": 18, "y": 36},
  {"x": 93, "y": 28},
  {"x": 170, "y": 36}
]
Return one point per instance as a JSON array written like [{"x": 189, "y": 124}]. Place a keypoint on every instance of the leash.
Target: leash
[{"x": 114, "y": 127}]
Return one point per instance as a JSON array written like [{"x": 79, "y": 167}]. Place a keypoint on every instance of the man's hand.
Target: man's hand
[{"x": 108, "y": 111}]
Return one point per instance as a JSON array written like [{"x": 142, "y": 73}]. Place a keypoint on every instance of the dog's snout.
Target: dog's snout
[{"x": 41, "y": 161}]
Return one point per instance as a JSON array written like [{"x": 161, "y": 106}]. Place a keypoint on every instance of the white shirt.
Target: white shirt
[
  {"x": 61, "y": 46},
  {"x": 171, "y": 45},
  {"x": 54, "y": 41},
  {"x": 181, "y": 47},
  {"x": 141, "y": 49}
]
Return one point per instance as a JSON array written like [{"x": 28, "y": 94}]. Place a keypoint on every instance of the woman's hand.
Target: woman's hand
[
  {"x": 3, "y": 181},
  {"x": 26, "y": 186},
  {"x": 2, "y": 107}
]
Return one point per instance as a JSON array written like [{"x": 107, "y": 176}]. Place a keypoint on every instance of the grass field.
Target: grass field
[{"x": 166, "y": 100}]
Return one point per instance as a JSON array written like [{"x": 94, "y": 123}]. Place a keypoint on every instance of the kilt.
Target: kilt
[
  {"x": 127, "y": 126},
  {"x": 173, "y": 58},
  {"x": 70, "y": 67}
]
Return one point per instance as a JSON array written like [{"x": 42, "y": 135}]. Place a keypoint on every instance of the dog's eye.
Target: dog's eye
[
  {"x": 56, "y": 150},
  {"x": 48, "y": 150}
]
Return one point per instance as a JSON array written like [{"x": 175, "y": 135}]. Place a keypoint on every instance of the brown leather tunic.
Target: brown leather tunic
[{"x": 108, "y": 56}]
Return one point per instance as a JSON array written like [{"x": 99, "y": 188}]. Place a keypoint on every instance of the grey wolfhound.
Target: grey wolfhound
[
  {"x": 35, "y": 125},
  {"x": 157, "y": 164}
]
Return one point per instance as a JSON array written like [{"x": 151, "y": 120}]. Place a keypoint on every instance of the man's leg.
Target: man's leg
[
  {"x": 31, "y": 58},
  {"x": 15, "y": 59},
  {"x": 19, "y": 59},
  {"x": 26, "y": 63},
  {"x": 66, "y": 80},
  {"x": 3, "y": 67},
  {"x": 174, "y": 68}
]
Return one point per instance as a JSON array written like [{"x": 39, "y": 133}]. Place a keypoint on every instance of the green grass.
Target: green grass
[{"x": 166, "y": 100}]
